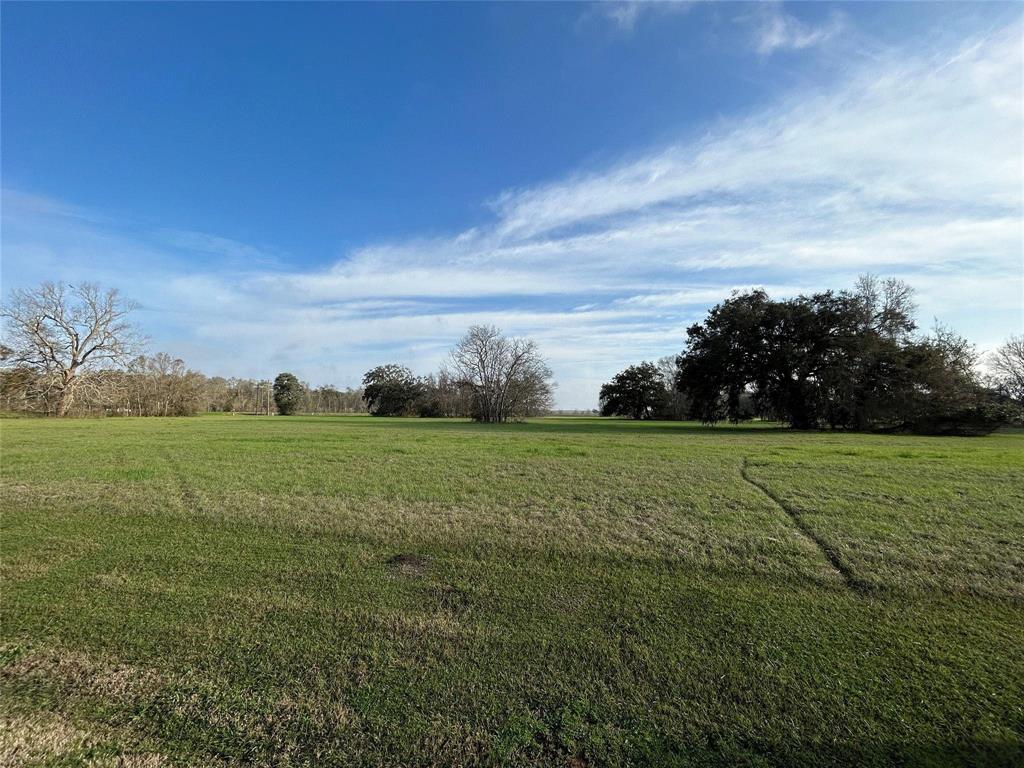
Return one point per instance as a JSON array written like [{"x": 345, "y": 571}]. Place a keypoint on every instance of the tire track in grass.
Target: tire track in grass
[
  {"x": 841, "y": 567},
  {"x": 189, "y": 498}
]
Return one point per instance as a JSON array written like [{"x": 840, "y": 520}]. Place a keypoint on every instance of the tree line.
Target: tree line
[
  {"x": 70, "y": 349},
  {"x": 851, "y": 359}
]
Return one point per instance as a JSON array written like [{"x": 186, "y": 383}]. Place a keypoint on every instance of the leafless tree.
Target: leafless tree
[
  {"x": 1007, "y": 365},
  {"x": 508, "y": 376},
  {"x": 61, "y": 331},
  {"x": 163, "y": 385},
  {"x": 676, "y": 403},
  {"x": 888, "y": 305}
]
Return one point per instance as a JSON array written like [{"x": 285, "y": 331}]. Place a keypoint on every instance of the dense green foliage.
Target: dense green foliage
[
  {"x": 638, "y": 392},
  {"x": 393, "y": 390},
  {"x": 847, "y": 359},
  {"x": 348, "y": 591},
  {"x": 390, "y": 390},
  {"x": 287, "y": 393}
]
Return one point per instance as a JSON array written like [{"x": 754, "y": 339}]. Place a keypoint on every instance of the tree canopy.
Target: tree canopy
[
  {"x": 288, "y": 393},
  {"x": 1007, "y": 364},
  {"x": 59, "y": 331},
  {"x": 638, "y": 392},
  {"x": 390, "y": 390},
  {"x": 847, "y": 359}
]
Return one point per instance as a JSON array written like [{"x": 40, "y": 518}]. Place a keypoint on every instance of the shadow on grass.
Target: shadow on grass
[{"x": 550, "y": 425}]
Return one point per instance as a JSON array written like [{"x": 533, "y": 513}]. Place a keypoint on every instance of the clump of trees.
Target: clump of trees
[
  {"x": 491, "y": 378},
  {"x": 444, "y": 394},
  {"x": 158, "y": 385},
  {"x": 330, "y": 399},
  {"x": 841, "y": 360},
  {"x": 645, "y": 391},
  {"x": 391, "y": 390}
]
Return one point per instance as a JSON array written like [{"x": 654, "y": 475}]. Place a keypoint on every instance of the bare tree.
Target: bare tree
[
  {"x": 1007, "y": 365},
  {"x": 509, "y": 378},
  {"x": 888, "y": 306},
  {"x": 676, "y": 403},
  {"x": 62, "y": 330}
]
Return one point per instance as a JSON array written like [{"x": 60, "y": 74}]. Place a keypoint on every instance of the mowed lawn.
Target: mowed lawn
[{"x": 352, "y": 591}]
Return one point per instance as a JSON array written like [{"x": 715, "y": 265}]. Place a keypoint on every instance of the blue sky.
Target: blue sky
[{"x": 324, "y": 187}]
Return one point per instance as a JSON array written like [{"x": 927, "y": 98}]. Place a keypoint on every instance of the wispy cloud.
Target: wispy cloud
[
  {"x": 775, "y": 29},
  {"x": 623, "y": 15},
  {"x": 912, "y": 166}
]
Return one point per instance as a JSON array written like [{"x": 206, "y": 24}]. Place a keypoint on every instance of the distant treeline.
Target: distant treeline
[
  {"x": 71, "y": 350},
  {"x": 839, "y": 360},
  {"x": 161, "y": 386}
]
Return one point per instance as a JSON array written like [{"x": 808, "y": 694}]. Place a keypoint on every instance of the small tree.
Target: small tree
[
  {"x": 287, "y": 393},
  {"x": 61, "y": 331},
  {"x": 390, "y": 390},
  {"x": 638, "y": 392}
]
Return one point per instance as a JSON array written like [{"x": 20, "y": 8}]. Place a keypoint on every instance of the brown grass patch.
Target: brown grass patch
[
  {"x": 76, "y": 673},
  {"x": 38, "y": 738},
  {"x": 43, "y": 737}
]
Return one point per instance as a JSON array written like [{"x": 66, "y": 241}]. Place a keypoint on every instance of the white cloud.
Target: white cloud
[
  {"x": 775, "y": 30},
  {"x": 935, "y": 131},
  {"x": 911, "y": 166}
]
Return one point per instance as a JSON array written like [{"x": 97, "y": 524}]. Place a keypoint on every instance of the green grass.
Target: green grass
[{"x": 579, "y": 592}]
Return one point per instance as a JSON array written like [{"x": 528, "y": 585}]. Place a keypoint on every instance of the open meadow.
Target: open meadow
[{"x": 358, "y": 591}]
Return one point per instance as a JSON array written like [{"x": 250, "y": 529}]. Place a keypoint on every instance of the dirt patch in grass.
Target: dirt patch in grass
[{"x": 408, "y": 564}]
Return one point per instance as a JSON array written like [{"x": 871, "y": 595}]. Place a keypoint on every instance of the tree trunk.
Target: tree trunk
[
  {"x": 63, "y": 402},
  {"x": 67, "y": 390}
]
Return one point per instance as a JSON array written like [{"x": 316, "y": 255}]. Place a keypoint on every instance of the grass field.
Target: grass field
[{"x": 354, "y": 591}]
